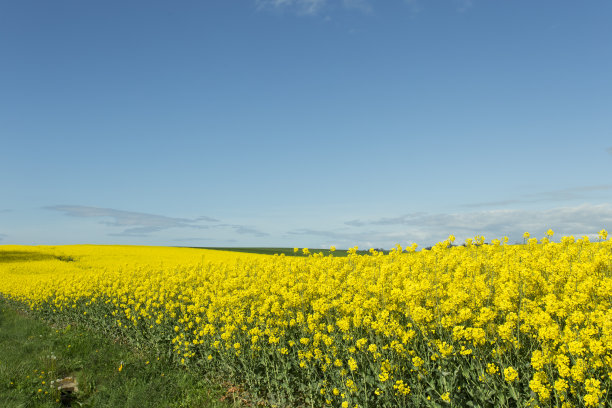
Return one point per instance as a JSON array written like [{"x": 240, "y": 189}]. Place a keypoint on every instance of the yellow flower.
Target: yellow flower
[
  {"x": 592, "y": 386},
  {"x": 477, "y": 303},
  {"x": 561, "y": 385},
  {"x": 417, "y": 361},
  {"x": 445, "y": 397},
  {"x": 510, "y": 374},
  {"x": 401, "y": 388},
  {"x": 352, "y": 364},
  {"x": 492, "y": 368}
]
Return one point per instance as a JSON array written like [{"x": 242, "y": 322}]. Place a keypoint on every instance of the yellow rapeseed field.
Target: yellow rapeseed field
[{"x": 488, "y": 324}]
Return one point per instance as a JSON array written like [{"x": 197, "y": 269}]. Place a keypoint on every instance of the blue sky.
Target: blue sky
[{"x": 303, "y": 122}]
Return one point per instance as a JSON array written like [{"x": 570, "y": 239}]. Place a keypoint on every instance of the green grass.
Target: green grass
[
  {"x": 33, "y": 352},
  {"x": 286, "y": 251}
]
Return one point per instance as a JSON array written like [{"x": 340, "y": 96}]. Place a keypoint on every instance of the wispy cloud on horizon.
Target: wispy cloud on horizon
[
  {"x": 134, "y": 223},
  {"x": 567, "y": 194},
  {"x": 138, "y": 224},
  {"x": 192, "y": 239},
  {"x": 354, "y": 223},
  {"x": 243, "y": 230},
  {"x": 348, "y": 238},
  {"x": 424, "y": 228},
  {"x": 428, "y": 228},
  {"x": 215, "y": 242}
]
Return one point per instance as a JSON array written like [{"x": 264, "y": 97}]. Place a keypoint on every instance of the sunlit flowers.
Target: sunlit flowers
[
  {"x": 397, "y": 328},
  {"x": 510, "y": 374}
]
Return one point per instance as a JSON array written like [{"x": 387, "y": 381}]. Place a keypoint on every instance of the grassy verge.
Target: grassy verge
[{"x": 34, "y": 355}]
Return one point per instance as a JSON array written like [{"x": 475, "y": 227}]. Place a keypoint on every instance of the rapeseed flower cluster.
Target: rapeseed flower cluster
[{"x": 488, "y": 323}]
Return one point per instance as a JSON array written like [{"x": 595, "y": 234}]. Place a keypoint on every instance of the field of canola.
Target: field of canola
[{"x": 478, "y": 325}]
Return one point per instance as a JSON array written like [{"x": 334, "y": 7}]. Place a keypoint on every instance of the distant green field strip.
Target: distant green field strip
[{"x": 285, "y": 251}]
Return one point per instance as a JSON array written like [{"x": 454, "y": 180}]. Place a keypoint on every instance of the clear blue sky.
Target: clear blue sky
[{"x": 303, "y": 122}]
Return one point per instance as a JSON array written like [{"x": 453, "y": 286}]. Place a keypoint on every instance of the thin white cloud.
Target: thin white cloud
[
  {"x": 137, "y": 224},
  {"x": 134, "y": 223},
  {"x": 463, "y": 5},
  {"x": 355, "y": 223},
  {"x": 361, "y": 5},
  {"x": 609, "y": 150},
  {"x": 193, "y": 239},
  {"x": 315, "y": 7},
  {"x": 305, "y": 7},
  {"x": 567, "y": 194},
  {"x": 413, "y": 5},
  {"x": 427, "y": 228},
  {"x": 205, "y": 242},
  {"x": 345, "y": 238},
  {"x": 243, "y": 230}
]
